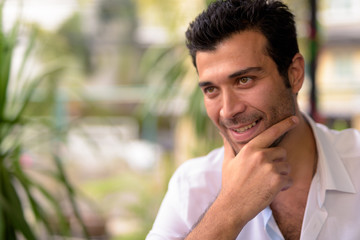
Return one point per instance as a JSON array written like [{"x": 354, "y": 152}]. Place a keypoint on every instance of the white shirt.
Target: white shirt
[{"x": 333, "y": 204}]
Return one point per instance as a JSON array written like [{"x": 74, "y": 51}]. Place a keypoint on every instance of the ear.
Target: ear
[{"x": 296, "y": 73}]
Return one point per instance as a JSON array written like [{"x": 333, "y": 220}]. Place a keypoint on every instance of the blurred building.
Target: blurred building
[{"x": 338, "y": 72}]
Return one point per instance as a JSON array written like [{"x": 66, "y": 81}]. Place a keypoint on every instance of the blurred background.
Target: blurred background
[{"x": 117, "y": 107}]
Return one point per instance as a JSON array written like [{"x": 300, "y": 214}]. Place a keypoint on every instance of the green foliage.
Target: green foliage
[
  {"x": 163, "y": 69},
  {"x": 116, "y": 9},
  {"x": 171, "y": 77},
  {"x": 208, "y": 2},
  {"x": 71, "y": 31},
  {"x": 21, "y": 196},
  {"x": 172, "y": 80}
]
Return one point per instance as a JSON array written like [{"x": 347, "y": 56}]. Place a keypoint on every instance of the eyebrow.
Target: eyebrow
[
  {"x": 235, "y": 74},
  {"x": 204, "y": 84},
  {"x": 245, "y": 71}
]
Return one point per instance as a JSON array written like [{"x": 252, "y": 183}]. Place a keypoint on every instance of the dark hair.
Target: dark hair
[{"x": 223, "y": 18}]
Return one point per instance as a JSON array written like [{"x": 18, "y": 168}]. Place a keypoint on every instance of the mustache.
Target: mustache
[{"x": 239, "y": 119}]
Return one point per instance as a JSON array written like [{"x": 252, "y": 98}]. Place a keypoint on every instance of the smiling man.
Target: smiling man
[
  {"x": 279, "y": 175},
  {"x": 243, "y": 91}
]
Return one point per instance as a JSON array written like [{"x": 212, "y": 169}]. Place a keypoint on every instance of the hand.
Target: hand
[{"x": 252, "y": 178}]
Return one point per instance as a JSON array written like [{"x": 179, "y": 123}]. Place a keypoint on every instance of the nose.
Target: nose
[{"x": 231, "y": 105}]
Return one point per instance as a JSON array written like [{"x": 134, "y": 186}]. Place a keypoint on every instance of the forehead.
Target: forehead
[{"x": 241, "y": 50}]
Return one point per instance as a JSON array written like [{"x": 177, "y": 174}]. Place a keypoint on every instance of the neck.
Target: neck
[{"x": 301, "y": 150}]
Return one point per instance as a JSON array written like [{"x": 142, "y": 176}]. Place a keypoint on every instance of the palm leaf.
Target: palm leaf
[
  {"x": 17, "y": 189},
  {"x": 12, "y": 207},
  {"x": 29, "y": 185},
  {"x": 70, "y": 192}
]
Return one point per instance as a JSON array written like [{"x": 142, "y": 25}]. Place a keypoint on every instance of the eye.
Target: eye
[
  {"x": 243, "y": 80},
  {"x": 209, "y": 90}
]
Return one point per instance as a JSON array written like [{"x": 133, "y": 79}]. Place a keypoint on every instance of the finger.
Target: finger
[
  {"x": 270, "y": 135},
  {"x": 278, "y": 154},
  {"x": 287, "y": 185},
  {"x": 228, "y": 150},
  {"x": 274, "y": 155},
  {"x": 283, "y": 168},
  {"x": 283, "y": 180},
  {"x": 277, "y": 158}
]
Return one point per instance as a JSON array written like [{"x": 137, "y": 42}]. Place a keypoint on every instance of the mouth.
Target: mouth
[
  {"x": 245, "y": 128},
  {"x": 241, "y": 135}
]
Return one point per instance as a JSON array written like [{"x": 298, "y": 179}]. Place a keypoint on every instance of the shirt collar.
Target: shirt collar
[{"x": 331, "y": 171}]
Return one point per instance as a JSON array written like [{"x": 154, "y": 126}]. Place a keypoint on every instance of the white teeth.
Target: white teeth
[{"x": 243, "y": 129}]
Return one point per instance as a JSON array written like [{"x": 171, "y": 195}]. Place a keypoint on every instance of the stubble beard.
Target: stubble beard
[{"x": 286, "y": 109}]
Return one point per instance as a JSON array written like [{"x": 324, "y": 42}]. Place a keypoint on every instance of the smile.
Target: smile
[{"x": 243, "y": 129}]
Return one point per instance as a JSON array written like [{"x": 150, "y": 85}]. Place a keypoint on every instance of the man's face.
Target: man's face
[{"x": 244, "y": 93}]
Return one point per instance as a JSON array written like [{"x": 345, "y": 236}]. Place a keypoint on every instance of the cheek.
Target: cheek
[
  {"x": 212, "y": 110},
  {"x": 279, "y": 104},
  {"x": 260, "y": 98},
  {"x": 267, "y": 96}
]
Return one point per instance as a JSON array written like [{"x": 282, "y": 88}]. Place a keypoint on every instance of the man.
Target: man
[{"x": 279, "y": 174}]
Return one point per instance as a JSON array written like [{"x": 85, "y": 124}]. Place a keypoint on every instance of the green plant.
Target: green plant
[
  {"x": 22, "y": 197},
  {"x": 171, "y": 79}
]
